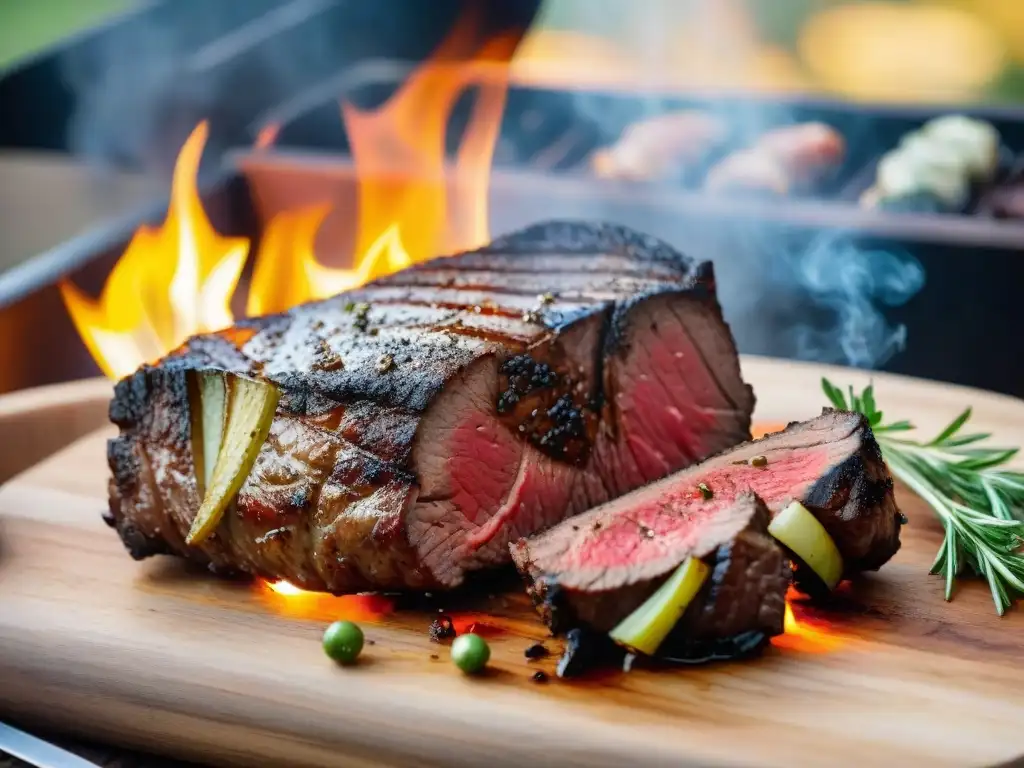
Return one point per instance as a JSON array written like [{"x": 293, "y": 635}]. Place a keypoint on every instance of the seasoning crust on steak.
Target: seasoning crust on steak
[{"x": 434, "y": 416}]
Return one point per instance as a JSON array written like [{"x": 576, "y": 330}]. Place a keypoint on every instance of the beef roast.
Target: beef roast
[
  {"x": 587, "y": 569},
  {"x": 432, "y": 417}
]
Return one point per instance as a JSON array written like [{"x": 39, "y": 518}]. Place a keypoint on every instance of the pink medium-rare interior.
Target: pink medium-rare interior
[
  {"x": 480, "y": 485},
  {"x": 483, "y": 486},
  {"x": 662, "y": 525},
  {"x": 667, "y": 409}
]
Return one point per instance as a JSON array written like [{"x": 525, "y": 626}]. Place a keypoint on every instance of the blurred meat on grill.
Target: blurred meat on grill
[
  {"x": 665, "y": 146},
  {"x": 789, "y": 159}
]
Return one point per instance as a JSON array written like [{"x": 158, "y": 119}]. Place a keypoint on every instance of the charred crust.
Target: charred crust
[
  {"x": 525, "y": 376},
  {"x": 315, "y": 392},
  {"x": 598, "y": 396},
  {"x": 547, "y": 597},
  {"x": 536, "y": 651},
  {"x": 689, "y": 651},
  {"x": 584, "y": 237},
  {"x": 533, "y": 407},
  {"x": 805, "y": 580},
  {"x": 123, "y": 463},
  {"x": 854, "y": 488},
  {"x": 220, "y": 350},
  {"x": 139, "y": 545},
  {"x": 719, "y": 570},
  {"x": 132, "y": 404},
  {"x": 567, "y": 425},
  {"x": 832, "y": 490},
  {"x": 303, "y": 401},
  {"x": 131, "y": 398},
  {"x": 108, "y": 516},
  {"x": 441, "y": 629},
  {"x": 586, "y": 649}
]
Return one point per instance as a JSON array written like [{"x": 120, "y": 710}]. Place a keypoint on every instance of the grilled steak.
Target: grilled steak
[
  {"x": 623, "y": 559},
  {"x": 593, "y": 568},
  {"x": 434, "y": 416}
]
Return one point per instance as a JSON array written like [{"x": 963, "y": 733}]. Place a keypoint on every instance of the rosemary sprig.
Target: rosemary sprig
[{"x": 980, "y": 503}]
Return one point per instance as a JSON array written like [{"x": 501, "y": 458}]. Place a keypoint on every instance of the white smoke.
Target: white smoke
[
  {"x": 853, "y": 283},
  {"x": 143, "y": 86},
  {"x": 821, "y": 298}
]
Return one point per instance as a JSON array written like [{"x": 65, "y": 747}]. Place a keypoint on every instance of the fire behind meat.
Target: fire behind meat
[{"x": 404, "y": 434}]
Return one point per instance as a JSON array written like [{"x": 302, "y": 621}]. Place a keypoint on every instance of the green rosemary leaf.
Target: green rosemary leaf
[
  {"x": 953, "y": 428},
  {"x": 868, "y": 401},
  {"x": 956, "y": 442},
  {"x": 834, "y": 395},
  {"x": 979, "y": 502},
  {"x": 896, "y": 426}
]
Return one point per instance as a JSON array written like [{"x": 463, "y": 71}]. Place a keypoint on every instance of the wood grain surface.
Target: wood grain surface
[{"x": 162, "y": 657}]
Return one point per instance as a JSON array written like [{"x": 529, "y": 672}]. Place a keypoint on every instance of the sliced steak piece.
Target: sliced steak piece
[
  {"x": 432, "y": 417},
  {"x": 592, "y": 564},
  {"x": 627, "y": 558}
]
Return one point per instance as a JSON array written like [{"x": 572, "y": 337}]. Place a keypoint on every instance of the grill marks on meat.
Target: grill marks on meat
[
  {"x": 591, "y": 566},
  {"x": 551, "y": 371}
]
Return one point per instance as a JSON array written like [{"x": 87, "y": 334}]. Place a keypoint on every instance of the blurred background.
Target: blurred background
[
  {"x": 98, "y": 96},
  {"x": 84, "y": 75},
  {"x": 903, "y": 50}
]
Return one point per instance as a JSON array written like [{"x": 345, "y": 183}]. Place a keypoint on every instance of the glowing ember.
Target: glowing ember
[
  {"x": 286, "y": 599},
  {"x": 805, "y": 634},
  {"x": 171, "y": 282},
  {"x": 285, "y": 588},
  {"x": 791, "y": 625}
]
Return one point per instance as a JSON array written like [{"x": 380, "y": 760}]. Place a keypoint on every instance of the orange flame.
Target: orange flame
[
  {"x": 411, "y": 207},
  {"x": 171, "y": 282},
  {"x": 287, "y": 599},
  {"x": 280, "y": 278},
  {"x": 285, "y": 588},
  {"x": 803, "y": 634},
  {"x": 177, "y": 280}
]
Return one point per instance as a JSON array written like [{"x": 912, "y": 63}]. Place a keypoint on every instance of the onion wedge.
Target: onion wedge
[
  {"x": 213, "y": 407},
  {"x": 648, "y": 626},
  {"x": 799, "y": 530},
  {"x": 249, "y": 411}
]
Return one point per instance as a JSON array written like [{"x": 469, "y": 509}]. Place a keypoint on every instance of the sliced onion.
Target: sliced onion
[
  {"x": 250, "y": 411},
  {"x": 214, "y": 399},
  {"x": 646, "y": 627},
  {"x": 799, "y": 530}
]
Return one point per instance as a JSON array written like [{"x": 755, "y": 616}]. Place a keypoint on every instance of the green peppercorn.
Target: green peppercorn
[
  {"x": 343, "y": 641},
  {"x": 759, "y": 461},
  {"x": 705, "y": 491},
  {"x": 470, "y": 653}
]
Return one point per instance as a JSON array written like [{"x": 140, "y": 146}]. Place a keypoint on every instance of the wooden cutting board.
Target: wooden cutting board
[{"x": 162, "y": 657}]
